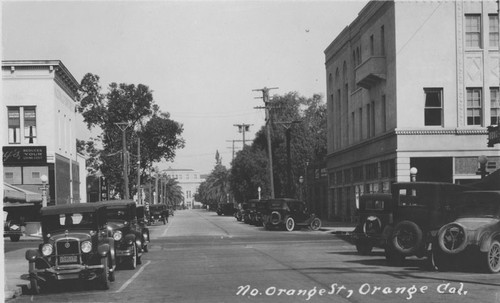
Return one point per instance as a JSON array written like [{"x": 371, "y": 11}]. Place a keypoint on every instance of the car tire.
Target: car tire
[
  {"x": 492, "y": 257},
  {"x": 315, "y": 224},
  {"x": 289, "y": 224},
  {"x": 363, "y": 248},
  {"x": 102, "y": 280},
  {"x": 15, "y": 238},
  {"x": 407, "y": 237},
  {"x": 393, "y": 257},
  {"x": 35, "y": 288},
  {"x": 451, "y": 234}
]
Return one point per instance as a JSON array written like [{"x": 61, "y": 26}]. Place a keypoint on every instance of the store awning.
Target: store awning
[{"x": 16, "y": 195}]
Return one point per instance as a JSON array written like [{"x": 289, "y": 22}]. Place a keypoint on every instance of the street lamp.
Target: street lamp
[
  {"x": 413, "y": 174},
  {"x": 259, "y": 189},
  {"x": 482, "y": 165},
  {"x": 301, "y": 182},
  {"x": 44, "y": 180}
]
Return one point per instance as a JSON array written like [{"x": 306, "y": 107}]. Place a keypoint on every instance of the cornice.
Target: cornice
[{"x": 456, "y": 131}]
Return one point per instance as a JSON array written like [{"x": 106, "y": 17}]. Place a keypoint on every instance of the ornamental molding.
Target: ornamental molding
[
  {"x": 458, "y": 132},
  {"x": 459, "y": 16}
]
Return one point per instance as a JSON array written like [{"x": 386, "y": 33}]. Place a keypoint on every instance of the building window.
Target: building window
[
  {"x": 493, "y": 30},
  {"x": 382, "y": 40},
  {"x": 372, "y": 47},
  {"x": 14, "y": 124},
  {"x": 35, "y": 175},
  {"x": 360, "y": 123},
  {"x": 29, "y": 125},
  {"x": 384, "y": 114},
  {"x": 433, "y": 106},
  {"x": 495, "y": 106},
  {"x": 373, "y": 119},
  {"x": 372, "y": 171},
  {"x": 9, "y": 175},
  {"x": 473, "y": 31},
  {"x": 473, "y": 106}
]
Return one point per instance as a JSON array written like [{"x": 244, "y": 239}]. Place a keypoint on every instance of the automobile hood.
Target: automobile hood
[
  {"x": 80, "y": 235},
  {"x": 475, "y": 223},
  {"x": 117, "y": 225}
]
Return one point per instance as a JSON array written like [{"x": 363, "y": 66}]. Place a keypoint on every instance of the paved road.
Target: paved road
[{"x": 202, "y": 257}]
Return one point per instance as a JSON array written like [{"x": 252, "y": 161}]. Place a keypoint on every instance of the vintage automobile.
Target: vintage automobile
[
  {"x": 374, "y": 214},
  {"x": 12, "y": 225},
  {"x": 420, "y": 210},
  {"x": 473, "y": 236},
  {"x": 16, "y": 216},
  {"x": 158, "y": 213},
  {"x": 288, "y": 213},
  {"x": 257, "y": 208},
  {"x": 225, "y": 209},
  {"x": 142, "y": 222},
  {"x": 127, "y": 233},
  {"x": 76, "y": 245},
  {"x": 245, "y": 212},
  {"x": 239, "y": 211}
]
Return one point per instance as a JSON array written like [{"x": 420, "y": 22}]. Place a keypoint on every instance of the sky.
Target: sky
[{"x": 202, "y": 59}]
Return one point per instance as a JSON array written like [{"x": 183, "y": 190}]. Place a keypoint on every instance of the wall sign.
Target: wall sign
[
  {"x": 493, "y": 135},
  {"x": 24, "y": 155}
]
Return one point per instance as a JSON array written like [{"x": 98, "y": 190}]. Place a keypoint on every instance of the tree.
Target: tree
[
  {"x": 159, "y": 135},
  {"x": 173, "y": 192},
  {"x": 215, "y": 189}
]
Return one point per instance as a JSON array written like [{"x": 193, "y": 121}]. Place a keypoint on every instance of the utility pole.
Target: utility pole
[
  {"x": 123, "y": 127},
  {"x": 233, "y": 145},
  {"x": 242, "y": 128},
  {"x": 288, "y": 126},
  {"x": 265, "y": 98},
  {"x": 139, "y": 201}
]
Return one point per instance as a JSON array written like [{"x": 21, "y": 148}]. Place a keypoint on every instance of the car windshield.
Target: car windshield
[
  {"x": 374, "y": 204},
  {"x": 82, "y": 220},
  {"x": 479, "y": 205},
  {"x": 116, "y": 213}
]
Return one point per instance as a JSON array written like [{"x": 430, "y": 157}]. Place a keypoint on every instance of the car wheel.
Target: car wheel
[
  {"x": 393, "y": 257},
  {"x": 103, "y": 276},
  {"x": 363, "y": 248},
  {"x": 289, "y": 224},
  {"x": 315, "y": 224},
  {"x": 493, "y": 257},
  {"x": 15, "y": 238},
  {"x": 34, "y": 286},
  {"x": 407, "y": 237},
  {"x": 452, "y": 238},
  {"x": 133, "y": 258}
]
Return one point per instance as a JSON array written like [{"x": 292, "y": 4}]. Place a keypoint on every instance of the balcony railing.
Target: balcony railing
[{"x": 371, "y": 72}]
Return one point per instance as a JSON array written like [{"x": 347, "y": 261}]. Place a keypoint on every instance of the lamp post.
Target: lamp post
[
  {"x": 301, "y": 182},
  {"x": 123, "y": 127},
  {"x": 413, "y": 174},
  {"x": 259, "y": 189},
  {"x": 482, "y": 165},
  {"x": 44, "y": 180}
]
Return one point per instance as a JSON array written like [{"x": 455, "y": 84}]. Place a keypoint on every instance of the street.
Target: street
[{"x": 201, "y": 257}]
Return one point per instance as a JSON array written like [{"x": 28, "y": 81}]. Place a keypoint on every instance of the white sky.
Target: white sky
[{"x": 202, "y": 59}]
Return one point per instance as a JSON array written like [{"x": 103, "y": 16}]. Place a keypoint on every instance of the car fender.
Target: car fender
[
  {"x": 103, "y": 249},
  {"x": 129, "y": 239},
  {"x": 32, "y": 254},
  {"x": 486, "y": 239}
]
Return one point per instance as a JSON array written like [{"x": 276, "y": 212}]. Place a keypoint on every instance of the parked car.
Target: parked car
[
  {"x": 76, "y": 245},
  {"x": 375, "y": 212},
  {"x": 16, "y": 216},
  {"x": 12, "y": 225},
  {"x": 245, "y": 213},
  {"x": 288, "y": 214},
  {"x": 142, "y": 223},
  {"x": 420, "y": 210},
  {"x": 257, "y": 208},
  {"x": 226, "y": 209},
  {"x": 127, "y": 233},
  {"x": 158, "y": 213},
  {"x": 473, "y": 236},
  {"x": 238, "y": 214}
]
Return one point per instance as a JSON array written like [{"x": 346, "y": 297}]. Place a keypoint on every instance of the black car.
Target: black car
[
  {"x": 142, "y": 221},
  {"x": 158, "y": 213},
  {"x": 375, "y": 212},
  {"x": 238, "y": 214},
  {"x": 76, "y": 245},
  {"x": 226, "y": 209},
  {"x": 288, "y": 213},
  {"x": 127, "y": 232},
  {"x": 256, "y": 210}
]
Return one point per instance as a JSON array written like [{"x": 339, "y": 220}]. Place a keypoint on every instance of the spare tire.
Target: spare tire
[
  {"x": 407, "y": 237},
  {"x": 452, "y": 238}
]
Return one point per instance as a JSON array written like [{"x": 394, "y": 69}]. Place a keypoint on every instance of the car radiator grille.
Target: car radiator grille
[{"x": 68, "y": 251}]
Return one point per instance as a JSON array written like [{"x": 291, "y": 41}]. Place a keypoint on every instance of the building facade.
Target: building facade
[
  {"x": 410, "y": 84},
  {"x": 38, "y": 100},
  {"x": 189, "y": 180}
]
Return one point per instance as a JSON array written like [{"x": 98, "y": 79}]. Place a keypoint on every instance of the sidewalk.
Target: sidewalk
[
  {"x": 336, "y": 227},
  {"x": 16, "y": 265}
]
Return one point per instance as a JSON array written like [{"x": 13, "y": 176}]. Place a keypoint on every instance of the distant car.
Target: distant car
[
  {"x": 375, "y": 213},
  {"x": 76, "y": 245},
  {"x": 474, "y": 235},
  {"x": 158, "y": 213},
  {"x": 420, "y": 210},
  {"x": 238, "y": 214},
  {"x": 287, "y": 214},
  {"x": 226, "y": 209},
  {"x": 12, "y": 226},
  {"x": 257, "y": 208},
  {"x": 127, "y": 232}
]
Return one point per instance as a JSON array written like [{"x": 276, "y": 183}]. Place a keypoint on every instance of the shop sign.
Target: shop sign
[{"x": 24, "y": 155}]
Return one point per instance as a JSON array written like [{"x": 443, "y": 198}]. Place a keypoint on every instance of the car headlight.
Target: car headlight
[
  {"x": 47, "y": 249},
  {"x": 117, "y": 235},
  {"x": 86, "y": 246}
]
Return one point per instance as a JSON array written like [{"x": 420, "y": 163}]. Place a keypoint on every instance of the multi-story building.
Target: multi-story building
[
  {"x": 38, "y": 100},
  {"x": 410, "y": 84},
  {"x": 189, "y": 180}
]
